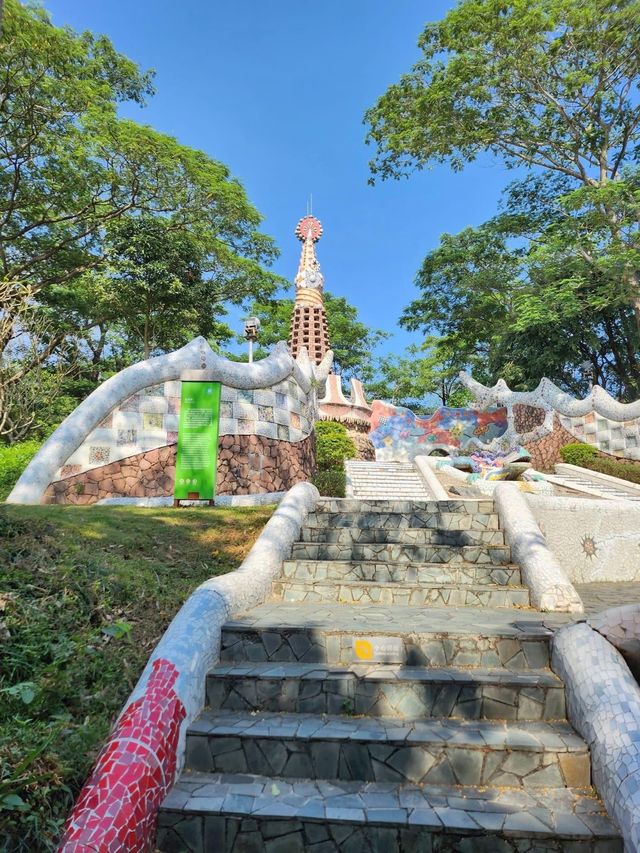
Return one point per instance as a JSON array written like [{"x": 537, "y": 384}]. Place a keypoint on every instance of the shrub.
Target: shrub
[
  {"x": 331, "y": 484},
  {"x": 624, "y": 470},
  {"x": 333, "y": 445},
  {"x": 13, "y": 460},
  {"x": 586, "y": 456},
  {"x": 578, "y": 454}
]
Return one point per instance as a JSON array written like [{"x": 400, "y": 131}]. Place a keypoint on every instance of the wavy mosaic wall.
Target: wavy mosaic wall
[
  {"x": 268, "y": 408},
  {"x": 598, "y": 419},
  {"x": 149, "y": 419},
  {"x": 500, "y": 420}
]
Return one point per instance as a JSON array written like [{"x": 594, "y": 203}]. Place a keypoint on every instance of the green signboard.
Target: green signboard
[{"x": 197, "y": 441}]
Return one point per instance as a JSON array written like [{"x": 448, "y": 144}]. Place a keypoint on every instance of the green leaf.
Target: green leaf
[
  {"x": 25, "y": 691},
  {"x": 13, "y": 802},
  {"x": 117, "y": 630}
]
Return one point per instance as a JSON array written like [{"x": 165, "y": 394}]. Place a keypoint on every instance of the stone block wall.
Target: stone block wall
[
  {"x": 253, "y": 464},
  {"x": 545, "y": 451},
  {"x": 247, "y": 465},
  {"x": 149, "y": 474}
]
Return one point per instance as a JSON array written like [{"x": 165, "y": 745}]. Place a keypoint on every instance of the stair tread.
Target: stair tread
[
  {"x": 405, "y": 552},
  {"x": 419, "y": 565},
  {"x": 467, "y": 506},
  {"x": 551, "y": 812},
  {"x": 399, "y": 619},
  {"x": 387, "y": 672},
  {"x": 397, "y": 585},
  {"x": 557, "y": 736}
]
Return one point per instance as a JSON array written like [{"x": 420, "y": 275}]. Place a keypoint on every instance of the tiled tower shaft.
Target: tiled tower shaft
[{"x": 309, "y": 322}]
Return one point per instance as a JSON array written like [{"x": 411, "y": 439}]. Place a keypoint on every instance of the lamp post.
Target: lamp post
[
  {"x": 586, "y": 368},
  {"x": 251, "y": 329}
]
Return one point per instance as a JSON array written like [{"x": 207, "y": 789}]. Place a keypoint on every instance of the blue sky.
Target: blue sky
[{"x": 277, "y": 90}]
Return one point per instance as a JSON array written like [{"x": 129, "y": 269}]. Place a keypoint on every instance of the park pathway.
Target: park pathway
[{"x": 394, "y": 695}]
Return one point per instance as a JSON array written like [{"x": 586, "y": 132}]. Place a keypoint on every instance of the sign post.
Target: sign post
[{"x": 197, "y": 441}]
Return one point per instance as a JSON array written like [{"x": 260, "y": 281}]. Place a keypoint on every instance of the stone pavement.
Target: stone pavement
[
  {"x": 602, "y": 596},
  {"x": 344, "y": 717}
]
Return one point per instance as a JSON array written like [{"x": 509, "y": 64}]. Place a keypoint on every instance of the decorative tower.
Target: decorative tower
[{"x": 309, "y": 322}]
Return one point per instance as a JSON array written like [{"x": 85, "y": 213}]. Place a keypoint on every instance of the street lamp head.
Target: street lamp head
[{"x": 251, "y": 328}]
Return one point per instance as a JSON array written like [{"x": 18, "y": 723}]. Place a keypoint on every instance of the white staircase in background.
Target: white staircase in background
[
  {"x": 580, "y": 480},
  {"x": 385, "y": 480}
]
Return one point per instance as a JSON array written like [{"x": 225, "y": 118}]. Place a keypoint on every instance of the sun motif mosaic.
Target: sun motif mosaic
[{"x": 589, "y": 547}]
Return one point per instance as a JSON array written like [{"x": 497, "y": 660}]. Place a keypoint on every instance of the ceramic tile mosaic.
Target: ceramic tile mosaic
[
  {"x": 98, "y": 455},
  {"x": 149, "y": 419},
  {"x": 617, "y": 438},
  {"x": 397, "y": 433},
  {"x": 598, "y": 419},
  {"x": 501, "y": 420},
  {"x": 135, "y": 767}
]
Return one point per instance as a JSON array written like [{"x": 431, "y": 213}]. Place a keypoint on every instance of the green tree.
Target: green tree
[
  {"x": 515, "y": 298},
  {"x": 426, "y": 377},
  {"x": 153, "y": 289},
  {"x": 70, "y": 168},
  {"x": 551, "y": 84},
  {"x": 352, "y": 341}
]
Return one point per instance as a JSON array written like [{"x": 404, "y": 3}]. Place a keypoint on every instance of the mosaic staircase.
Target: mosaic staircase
[
  {"x": 345, "y": 715},
  {"x": 385, "y": 480}
]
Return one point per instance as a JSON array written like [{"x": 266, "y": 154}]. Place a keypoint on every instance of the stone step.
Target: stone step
[
  {"x": 387, "y": 690},
  {"x": 408, "y": 494},
  {"x": 402, "y": 494},
  {"x": 436, "y": 573},
  {"x": 399, "y": 520},
  {"x": 414, "y": 636},
  {"x": 234, "y": 813},
  {"x": 342, "y": 505},
  {"x": 424, "y": 752},
  {"x": 440, "y": 595},
  {"x": 495, "y": 555},
  {"x": 401, "y": 536},
  {"x": 407, "y": 480}
]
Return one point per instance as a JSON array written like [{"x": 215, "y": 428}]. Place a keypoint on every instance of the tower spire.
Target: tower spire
[{"x": 309, "y": 323}]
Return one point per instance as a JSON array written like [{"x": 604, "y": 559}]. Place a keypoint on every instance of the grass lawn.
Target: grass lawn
[{"x": 85, "y": 594}]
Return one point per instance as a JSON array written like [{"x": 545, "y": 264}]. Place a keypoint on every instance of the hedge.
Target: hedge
[
  {"x": 14, "y": 459},
  {"x": 586, "y": 456},
  {"x": 623, "y": 470},
  {"x": 578, "y": 454},
  {"x": 333, "y": 445}
]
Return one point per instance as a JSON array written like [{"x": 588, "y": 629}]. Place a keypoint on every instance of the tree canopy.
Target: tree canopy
[
  {"x": 71, "y": 169},
  {"x": 549, "y": 83},
  {"x": 553, "y": 281}
]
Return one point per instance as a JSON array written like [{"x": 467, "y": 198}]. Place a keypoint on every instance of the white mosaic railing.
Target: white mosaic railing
[
  {"x": 603, "y": 705},
  {"x": 548, "y": 583}
]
